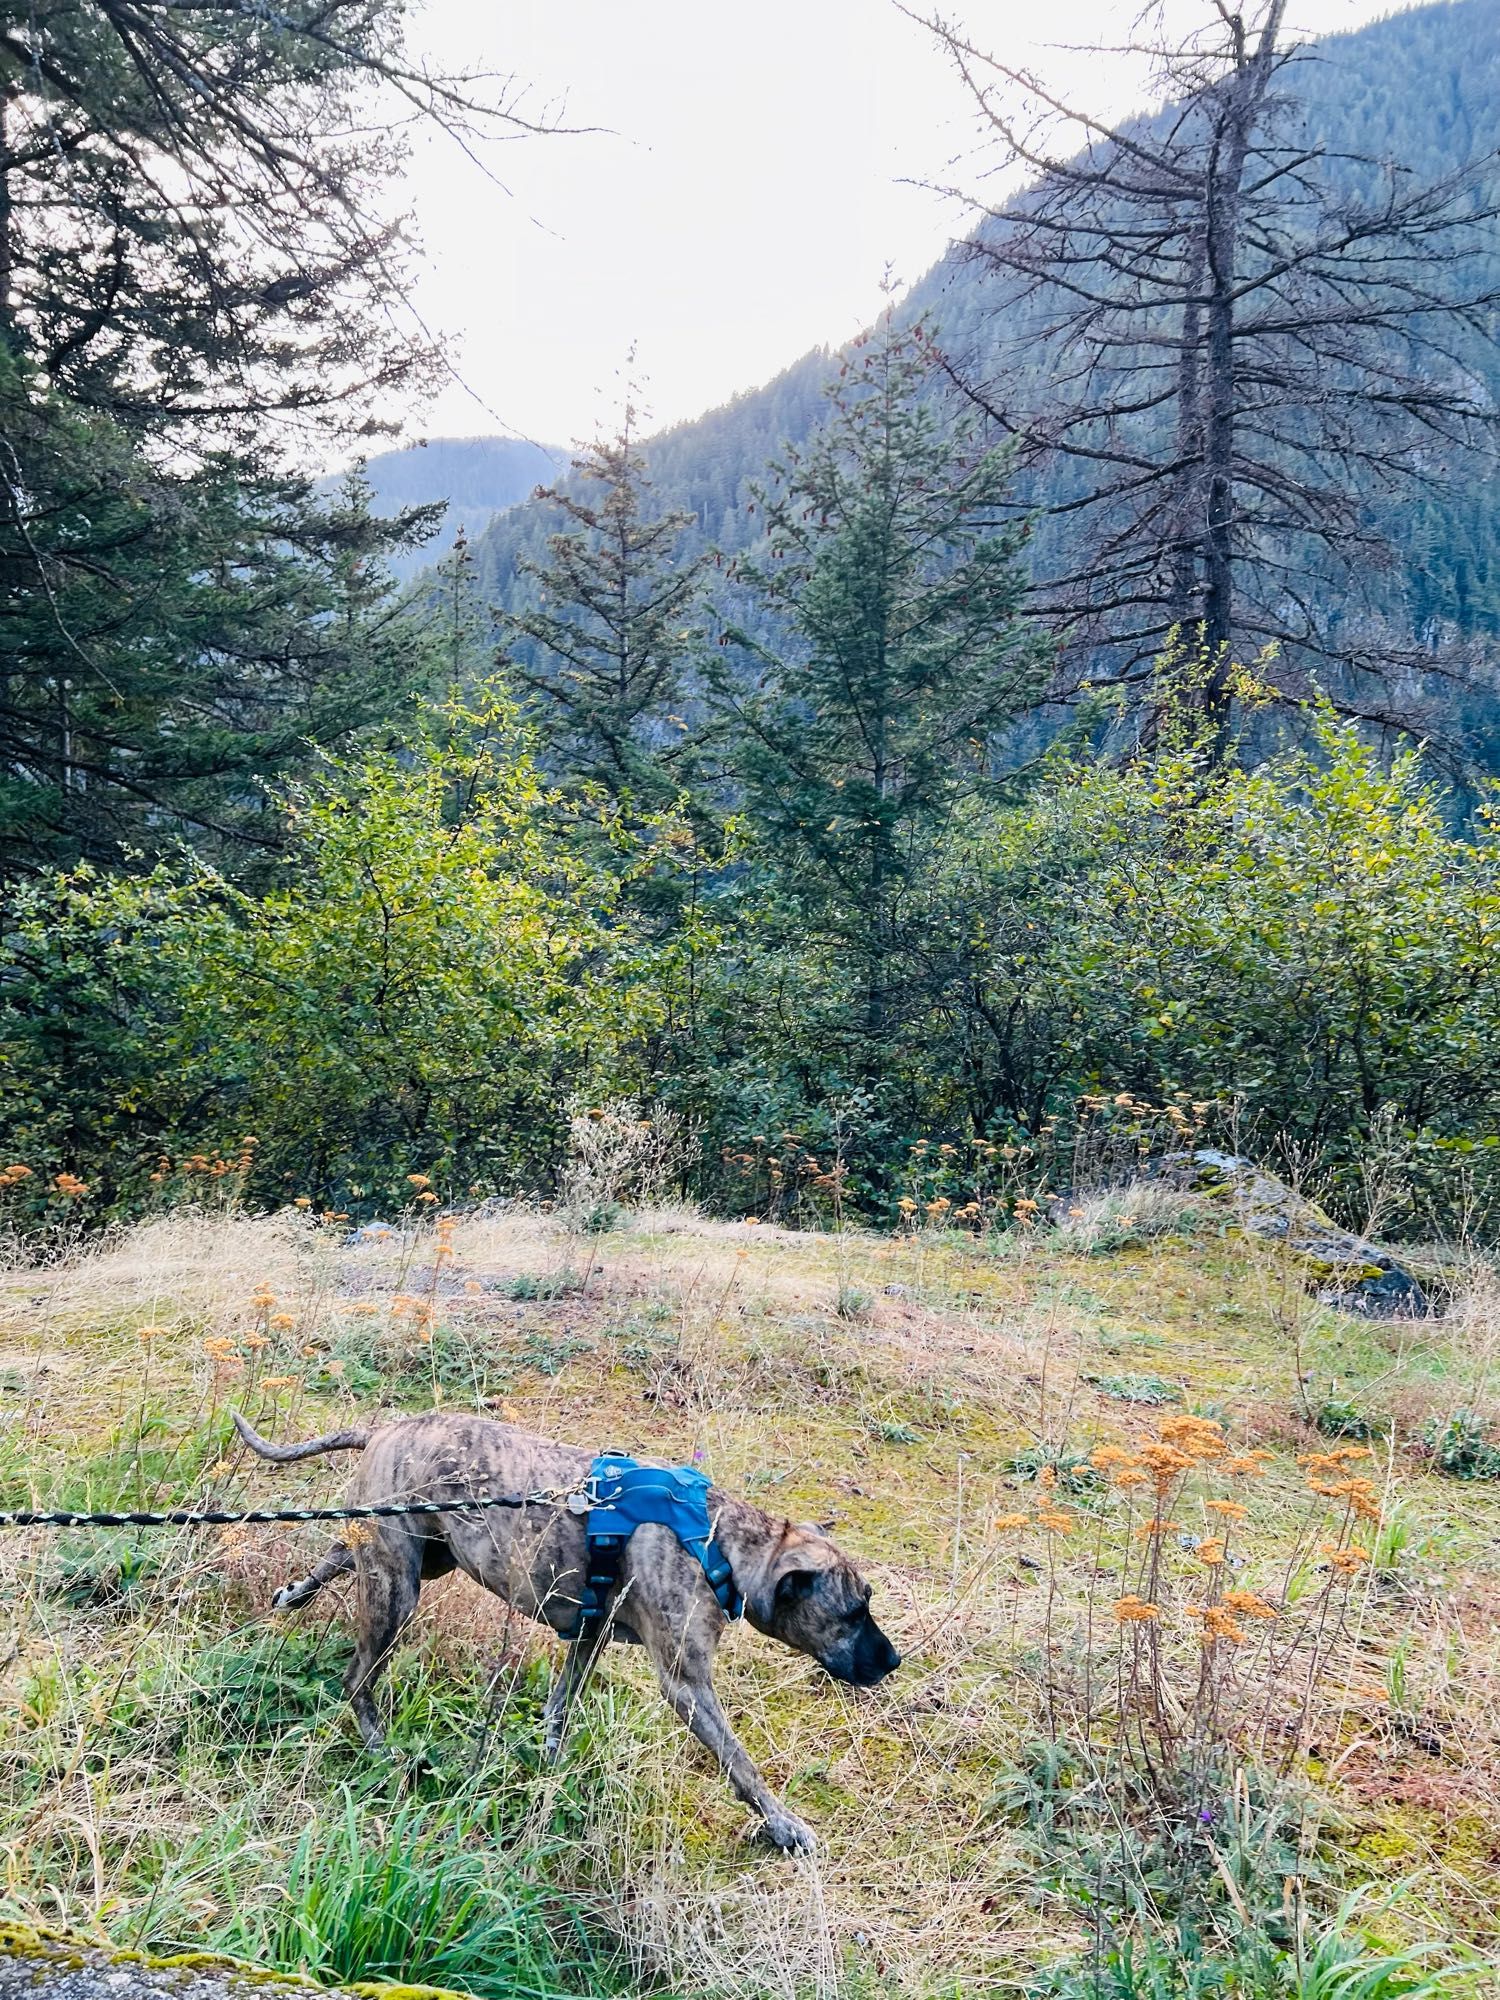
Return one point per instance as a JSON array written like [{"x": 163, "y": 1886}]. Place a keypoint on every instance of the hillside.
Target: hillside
[
  {"x": 478, "y": 477},
  {"x": 183, "y": 1774},
  {"x": 1357, "y": 98}
]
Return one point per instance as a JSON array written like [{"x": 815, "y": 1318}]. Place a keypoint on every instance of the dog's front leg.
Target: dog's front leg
[{"x": 698, "y": 1706}]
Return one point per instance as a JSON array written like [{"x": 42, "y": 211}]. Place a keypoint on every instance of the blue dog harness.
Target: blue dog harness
[{"x": 622, "y": 1495}]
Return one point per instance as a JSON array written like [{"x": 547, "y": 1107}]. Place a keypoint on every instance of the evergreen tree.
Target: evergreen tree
[
  {"x": 896, "y": 588},
  {"x": 605, "y": 648},
  {"x": 190, "y": 225},
  {"x": 192, "y": 262},
  {"x": 169, "y": 638}
]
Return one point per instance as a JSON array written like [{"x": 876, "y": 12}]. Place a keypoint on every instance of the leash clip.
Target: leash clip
[{"x": 585, "y": 1497}]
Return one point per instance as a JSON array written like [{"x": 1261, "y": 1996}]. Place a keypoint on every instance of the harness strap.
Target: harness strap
[{"x": 626, "y": 1495}]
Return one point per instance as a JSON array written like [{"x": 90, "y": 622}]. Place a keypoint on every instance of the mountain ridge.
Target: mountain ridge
[{"x": 1355, "y": 93}]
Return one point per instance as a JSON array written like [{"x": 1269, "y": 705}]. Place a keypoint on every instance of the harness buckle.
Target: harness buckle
[{"x": 586, "y": 1498}]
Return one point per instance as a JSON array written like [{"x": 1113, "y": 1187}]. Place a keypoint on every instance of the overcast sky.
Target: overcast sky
[{"x": 742, "y": 205}]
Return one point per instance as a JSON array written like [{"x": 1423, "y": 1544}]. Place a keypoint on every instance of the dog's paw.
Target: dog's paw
[{"x": 790, "y": 1834}]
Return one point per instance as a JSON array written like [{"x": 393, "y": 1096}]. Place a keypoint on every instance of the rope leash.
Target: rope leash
[{"x": 214, "y": 1517}]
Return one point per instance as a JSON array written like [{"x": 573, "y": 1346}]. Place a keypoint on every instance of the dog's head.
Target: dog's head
[{"x": 817, "y": 1602}]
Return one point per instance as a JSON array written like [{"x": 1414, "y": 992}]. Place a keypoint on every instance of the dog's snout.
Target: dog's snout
[
  {"x": 867, "y": 1662},
  {"x": 886, "y": 1662}
]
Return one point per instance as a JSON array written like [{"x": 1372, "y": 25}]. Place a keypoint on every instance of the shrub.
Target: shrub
[
  {"x": 544, "y": 1285},
  {"x": 1150, "y": 1389},
  {"x": 1460, "y": 1446},
  {"x": 1337, "y": 1417},
  {"x": 1314, "y": 938},
  {"x": 621, "y": 1154},
  {"x": 431, "y": 972}
]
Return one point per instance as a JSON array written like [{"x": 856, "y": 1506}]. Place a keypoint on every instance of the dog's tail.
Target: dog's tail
[{"x": 288, "y": 1454}]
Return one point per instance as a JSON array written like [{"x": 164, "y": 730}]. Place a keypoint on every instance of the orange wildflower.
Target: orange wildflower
[
  {"x": 1165, "y": 1463},
  {"x": 1199, "y": 1437},
  {"x": 1347, "y": 1560},
  {"x": 1248, "y": 1464},
  {"x": 1217, "y": 1622},
  {"x": 1248, "y": 1604}
]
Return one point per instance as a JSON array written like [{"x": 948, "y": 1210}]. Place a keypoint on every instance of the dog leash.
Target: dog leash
[{"x": 216, "y": 1517}]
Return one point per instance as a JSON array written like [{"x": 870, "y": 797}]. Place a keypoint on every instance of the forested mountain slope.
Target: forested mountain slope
[
  {"x": 478, "y": 478},
  {"x": 1421, "y": 88}
]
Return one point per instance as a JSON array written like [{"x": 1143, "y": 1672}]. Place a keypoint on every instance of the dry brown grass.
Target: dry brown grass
[{"x": 883, "y": 1385}]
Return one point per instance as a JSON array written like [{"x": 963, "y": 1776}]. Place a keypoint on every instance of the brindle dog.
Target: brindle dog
[{"x": 796, "y": 1585}]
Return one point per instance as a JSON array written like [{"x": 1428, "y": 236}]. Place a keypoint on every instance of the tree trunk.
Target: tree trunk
[
  {"x": 1187, "y": 605},
  {"x": 1244, "y": 96}
]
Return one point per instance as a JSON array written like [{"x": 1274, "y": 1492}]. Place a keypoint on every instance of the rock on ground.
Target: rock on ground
[
  {"x": 36, "y": 1968},
  {"x": 1349, "y": 1272}
]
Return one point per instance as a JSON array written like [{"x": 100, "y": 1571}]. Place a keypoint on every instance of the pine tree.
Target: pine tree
[
  {"x": 896, "y": 586},
  {"x": 194, "y": 260},
  {"x": 191, "y": 229},
  {"x": 605, "y": 650},
  {"x": 170, "y": 638}
]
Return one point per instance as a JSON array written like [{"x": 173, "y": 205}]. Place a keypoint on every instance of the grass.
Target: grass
[
  {"x": 179, "y": 1769},
  {"x": 418, "y": 1900}
]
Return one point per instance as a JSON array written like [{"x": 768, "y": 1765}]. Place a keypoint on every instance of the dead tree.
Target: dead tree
[{"x": 1222, "y": 347}]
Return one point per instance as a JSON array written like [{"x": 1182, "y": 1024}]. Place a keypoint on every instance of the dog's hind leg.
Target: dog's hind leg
[
  {"x": 390, "y": 1581},
  {"x": 338, "y": 1562}
]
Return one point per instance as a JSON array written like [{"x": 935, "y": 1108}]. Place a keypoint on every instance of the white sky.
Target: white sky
[{"x": 741, "y": 207}]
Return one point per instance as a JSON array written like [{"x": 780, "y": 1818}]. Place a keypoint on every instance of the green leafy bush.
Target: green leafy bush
[
  {"x": 1151, "y": 1389},
  {"x": 1338, "y": 1417},
  {"x": 1460, "y": 1446},
  {"x": 544, "y": 1285},
  {"x": 431, "y": 973}
]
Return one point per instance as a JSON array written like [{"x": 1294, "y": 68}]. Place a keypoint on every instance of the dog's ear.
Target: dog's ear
[{"x": 795, "y": 1587}]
